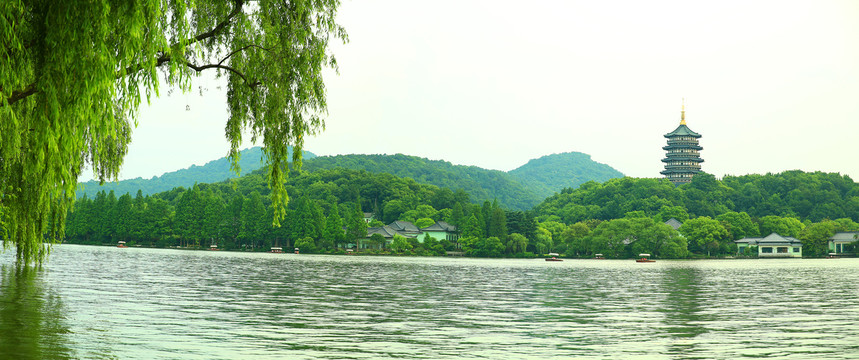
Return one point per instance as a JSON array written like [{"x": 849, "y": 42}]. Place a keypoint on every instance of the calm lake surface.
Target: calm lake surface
[{"x": 105, "y": 302}]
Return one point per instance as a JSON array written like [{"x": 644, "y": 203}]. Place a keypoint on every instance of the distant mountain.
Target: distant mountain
[
  {"x": 481, "y": 184},
  {"x": 212, "y": 171},
  {"x": 552, "y": 173},
  {"x": 520, "y": 189}
]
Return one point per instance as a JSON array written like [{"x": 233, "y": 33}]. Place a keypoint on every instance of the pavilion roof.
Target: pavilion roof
[{"x": 682, "y": 130}]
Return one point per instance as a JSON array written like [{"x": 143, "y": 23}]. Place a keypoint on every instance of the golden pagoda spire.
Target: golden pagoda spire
[{"x": 683, "y": 112}]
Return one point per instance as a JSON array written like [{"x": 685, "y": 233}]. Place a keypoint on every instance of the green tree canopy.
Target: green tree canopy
[
  {"x": 73, "y": 74},
  {"x": 706, "y": 235}
]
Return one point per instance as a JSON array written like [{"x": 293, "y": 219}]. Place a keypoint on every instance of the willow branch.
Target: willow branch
[
  {"x": 18, "y": 95},
  {"x": 231, "y": 69}
]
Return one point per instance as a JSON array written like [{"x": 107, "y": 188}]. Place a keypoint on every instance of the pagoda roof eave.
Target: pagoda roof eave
[{"x": 682, "y": 130}]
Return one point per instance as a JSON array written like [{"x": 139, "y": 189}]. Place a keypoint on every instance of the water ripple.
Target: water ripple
[{"x": 99, "y": 302}]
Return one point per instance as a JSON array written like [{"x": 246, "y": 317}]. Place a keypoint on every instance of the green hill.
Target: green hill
[
  {"x": 212, "y": 171},
  {"x": 481, "y": 184},
  {"x": 551, "y": 173},
  {"x": 519, "y": 189}
]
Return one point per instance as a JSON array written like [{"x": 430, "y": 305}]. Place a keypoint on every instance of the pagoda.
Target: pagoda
[{"x": 682, "y": 158}]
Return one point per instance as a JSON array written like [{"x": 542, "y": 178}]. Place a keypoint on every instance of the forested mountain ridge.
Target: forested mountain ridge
[
  {"x": 520, "y": 189},
  {"x": 481, "y": 184},
  {"x": 552, "y": 173},
  {"x": 213, "y": 171}
]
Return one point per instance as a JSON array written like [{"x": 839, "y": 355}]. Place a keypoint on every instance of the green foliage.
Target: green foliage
[
  {"x": 488, "y": 247},
  {"x": 815, "y": 238},
  {"x": 481, "y": 184},
  {"x": 73, "y": 74},
  {"x": 573, "y": 238},
  {"x": 542, "y": 243},
  {"x": 306, "y": 245},
  {"x": 424, "y": 222},
  {"x": 516, "y": 243},
  {"x": 739, "y": 224},
  {"x": 213, "y": 171},
  {"x": 235, "y": 215},
  {"x": 706, "y": 235},
  {"x": 784, "y": 226},
  {"x": 378, "y": 239},
  {"x": 356, "y": 227},
  {"x": 807, "y": 196},
  {"x": 520, "y": 189},
  {"x": 667, "y": 212},
  {"x": 334, "y": 227},
  {"x": 549, "y": 174},
  {"x": 400, "y": 244},
  {"x": 629, "y": 237}
]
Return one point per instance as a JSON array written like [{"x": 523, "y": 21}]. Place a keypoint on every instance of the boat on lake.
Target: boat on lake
[
  {"x": 644, "y": 258},
  {"x": 121, "y": 244},
  {"x": 599, "y": 257},
  {"x": 554, "y": 257},
  {"x": 214, "y": 247},
  {"x": 276, "y": 250}
]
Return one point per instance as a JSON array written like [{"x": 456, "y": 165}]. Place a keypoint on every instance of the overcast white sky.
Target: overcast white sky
[{"x": 771, "y": 86}]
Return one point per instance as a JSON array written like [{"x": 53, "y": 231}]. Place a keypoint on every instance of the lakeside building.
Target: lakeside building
[
  {"x": 843, "y": 242},
  {"x": 682, "y": 154},
  {"x": 440, "y": 230},
  {"x": 773, "y": 245}
]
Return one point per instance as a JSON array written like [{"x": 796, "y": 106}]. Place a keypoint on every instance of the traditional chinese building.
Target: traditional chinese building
[{"x": 682, "y": 154}]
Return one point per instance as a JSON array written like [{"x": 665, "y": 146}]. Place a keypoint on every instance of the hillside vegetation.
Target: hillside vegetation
[
  {"x": 806, "y": 196},
  {"x": 212, "y": 171},
  {"x": 481, "y": 184},
  {"x": 549, "y": 174}
]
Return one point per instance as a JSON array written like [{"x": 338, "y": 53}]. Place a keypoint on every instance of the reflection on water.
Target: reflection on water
[
  {"x": 155, "y": 303},
  {"x": 682, "y": 308},
  {"x": 32, "y": 319}
]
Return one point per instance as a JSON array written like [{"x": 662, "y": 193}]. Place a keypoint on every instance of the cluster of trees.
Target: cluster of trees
[
  {"x": 806, "y": 196},
  {"x": 490, "y": 231},
  {"x": 625, "y": 216},
  {"x": 326, "y": 212},
  {"x": 702, "y": 236}
]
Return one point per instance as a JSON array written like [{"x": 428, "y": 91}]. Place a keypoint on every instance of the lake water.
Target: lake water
[{"x": 111, "y": 303}]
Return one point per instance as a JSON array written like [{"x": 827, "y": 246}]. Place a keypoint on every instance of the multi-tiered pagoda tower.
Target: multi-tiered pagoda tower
[{"x": 683, "y": 158}]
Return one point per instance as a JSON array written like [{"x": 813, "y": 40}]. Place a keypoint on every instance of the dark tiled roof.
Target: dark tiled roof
[
  {"x": 771, "y": 240},
  {"x": 387, "y": 232},
  {"x": 847, "y": 236},
  {"x": 406, "y": 226},
  {"x": 682, "y": 130},
  {"x": 673, "y": 223},
  {"x": 440, "y": 226},
  {"x": 750, "y": 241}
]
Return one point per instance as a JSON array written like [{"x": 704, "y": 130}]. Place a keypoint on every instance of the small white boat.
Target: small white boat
[{"x": 644, "y": 258}]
